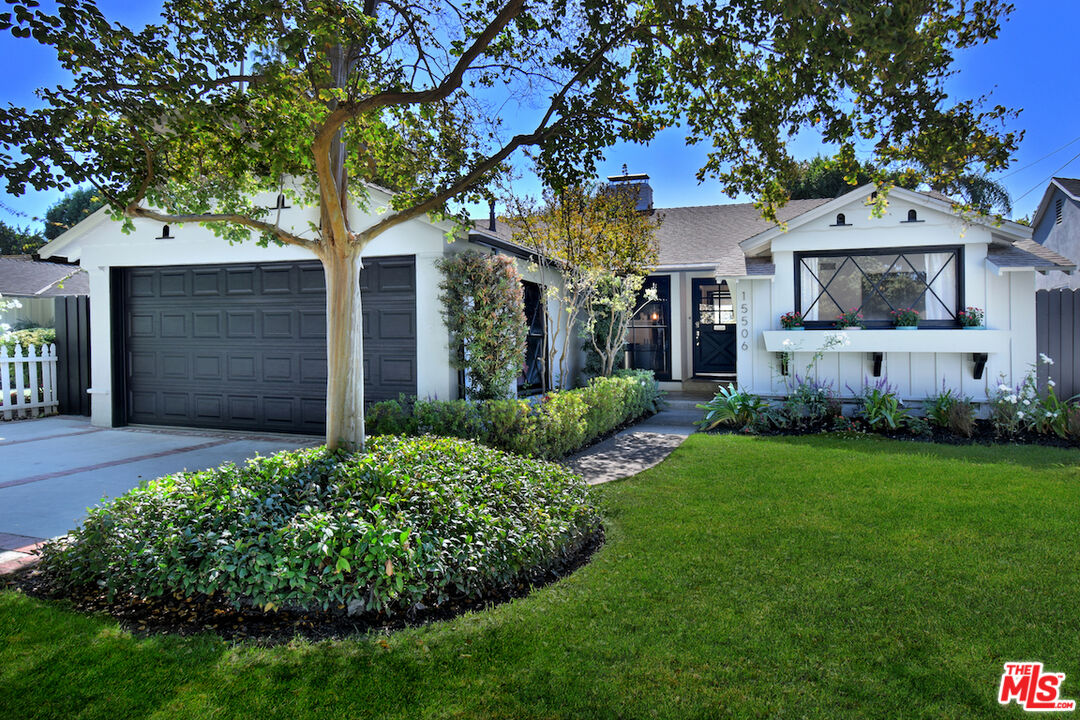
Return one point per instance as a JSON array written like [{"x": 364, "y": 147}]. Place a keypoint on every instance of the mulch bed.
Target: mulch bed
[
  {"x": 983, "y": 434},
  {"x": 191, "y": 616}
]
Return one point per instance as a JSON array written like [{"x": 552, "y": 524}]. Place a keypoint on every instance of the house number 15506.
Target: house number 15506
[{"x": 744, "y": 323}]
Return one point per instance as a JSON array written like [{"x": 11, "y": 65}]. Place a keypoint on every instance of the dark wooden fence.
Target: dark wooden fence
[
  {"x": 73, "y": 354},
  {"x": 1057, "y": 332}
]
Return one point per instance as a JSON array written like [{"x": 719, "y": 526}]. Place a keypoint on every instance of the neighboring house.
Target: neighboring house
[
  {"x": 1056, "y": 226},
  {"x": 36, "y": 285},
  {"x": 725, "y": 276},
  {"x": 189, "y": 330}
]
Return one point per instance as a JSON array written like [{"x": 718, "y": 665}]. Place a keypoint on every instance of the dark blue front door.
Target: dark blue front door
[{"x": 713, "y": 327}]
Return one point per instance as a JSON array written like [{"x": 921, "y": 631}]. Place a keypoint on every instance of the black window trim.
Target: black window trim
[
  {"x": 661, "y": 279},
  {"x": 958, "y": 253}
]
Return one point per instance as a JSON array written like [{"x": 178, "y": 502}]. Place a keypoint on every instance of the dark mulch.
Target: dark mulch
[
  {"x": 983, "y": 434},
  {"x": 194, "y": 615}
]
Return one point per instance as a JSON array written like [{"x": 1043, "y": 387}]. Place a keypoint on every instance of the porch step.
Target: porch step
[{"x": 679, "y": 402}]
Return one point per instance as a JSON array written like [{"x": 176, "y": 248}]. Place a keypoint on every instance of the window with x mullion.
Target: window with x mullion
[{"x": 876, "y": 282}]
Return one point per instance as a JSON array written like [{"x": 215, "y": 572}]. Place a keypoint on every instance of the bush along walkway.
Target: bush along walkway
[{"x": 640, "y": 446}]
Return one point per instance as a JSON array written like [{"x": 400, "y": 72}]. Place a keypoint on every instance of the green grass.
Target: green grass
[{"x": 747, "y": 577}]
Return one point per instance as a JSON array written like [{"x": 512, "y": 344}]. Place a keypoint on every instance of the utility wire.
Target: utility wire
[
  {"x": 1048, "y": 178},
  {"x": 1054, "y": 152}
]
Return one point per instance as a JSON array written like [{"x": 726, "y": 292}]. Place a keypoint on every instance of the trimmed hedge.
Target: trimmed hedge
[
  {"x": 409, "y": 521},
  {"x": 560, "y": 423}
]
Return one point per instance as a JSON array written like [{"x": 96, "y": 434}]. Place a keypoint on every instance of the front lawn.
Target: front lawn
[{"x": 750, "y": 577}]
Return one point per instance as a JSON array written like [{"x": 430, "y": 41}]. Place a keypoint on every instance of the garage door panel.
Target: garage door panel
[
  {"x": 240, "y": 281},
  {"x": 174, "y": 284},
  {"x": 243, "y": 346},
  {"x": 240, "y": 324},
  {"x": 206, "y": 283}
]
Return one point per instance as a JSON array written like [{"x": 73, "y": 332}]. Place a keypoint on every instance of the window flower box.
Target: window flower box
[{"x": 952, "y": 340}]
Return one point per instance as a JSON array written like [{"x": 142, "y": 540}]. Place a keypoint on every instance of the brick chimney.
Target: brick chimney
[{"x": 638, "y": 184}]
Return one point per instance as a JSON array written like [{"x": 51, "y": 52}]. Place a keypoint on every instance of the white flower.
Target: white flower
[
  {"x": 787, "y": 342},
  {"x": 1046, "y": 359},
  {"x": 1027, "y": 402},
  {"x": 1050, "y": 414},
  {"x": 1004, "y": 388},
  {"x": 1051, "y": 383},
  {"x": 1020, "y": 414},
  {"x": 1010, "y": 399}
]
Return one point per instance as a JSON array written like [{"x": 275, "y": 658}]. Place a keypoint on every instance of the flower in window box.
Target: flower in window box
[
  {"x": 851, "y": 319},
  {"x": 907, "y": 318},
  {"x": 791, "y": 320},
  {"x": 971, "y": 317}
]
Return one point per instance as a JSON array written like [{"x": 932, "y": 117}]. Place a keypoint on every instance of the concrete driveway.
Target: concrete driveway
[{"x": 52, "y": 469}]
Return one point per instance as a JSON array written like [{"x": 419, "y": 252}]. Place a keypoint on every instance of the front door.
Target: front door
[{"x": 714, "y": 327}]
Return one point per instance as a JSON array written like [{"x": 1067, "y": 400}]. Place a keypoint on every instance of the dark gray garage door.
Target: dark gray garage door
[{"x": 244, "y": 346}]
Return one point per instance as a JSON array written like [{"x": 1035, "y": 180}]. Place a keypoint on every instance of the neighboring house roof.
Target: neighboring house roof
[
  {"x": 1027, "y": 255},
  {"x": 22, "y": 276},
  {"x": 1069, "y": 186}
]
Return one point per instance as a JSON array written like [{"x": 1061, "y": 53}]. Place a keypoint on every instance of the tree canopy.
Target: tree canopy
[
  {"x": 189, "y": 119},
  {"x": 69, "y": 210},
  {"x": 824, "y": 177},
  {"x": 18, "y": 241}
]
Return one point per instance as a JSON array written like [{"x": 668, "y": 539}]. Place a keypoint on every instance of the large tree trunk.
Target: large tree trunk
[{"x": 344, "y": 350}]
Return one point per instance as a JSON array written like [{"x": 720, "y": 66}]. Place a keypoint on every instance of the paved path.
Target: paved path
[
  {"x": 640, "y": 446},
  {"x": 54, "y": 468}
]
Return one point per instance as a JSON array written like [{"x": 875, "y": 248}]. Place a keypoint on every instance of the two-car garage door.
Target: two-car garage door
[{"x": 244, "y": 346}]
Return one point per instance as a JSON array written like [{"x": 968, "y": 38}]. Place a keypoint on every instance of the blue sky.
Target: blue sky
[{"x": 1026, "y": 68}]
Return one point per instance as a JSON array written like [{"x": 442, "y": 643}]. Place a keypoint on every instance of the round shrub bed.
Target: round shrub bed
[{"x": 411, "y": 523}]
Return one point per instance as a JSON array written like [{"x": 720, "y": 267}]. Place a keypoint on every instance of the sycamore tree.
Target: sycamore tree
[{"x": 194, "y": 117}]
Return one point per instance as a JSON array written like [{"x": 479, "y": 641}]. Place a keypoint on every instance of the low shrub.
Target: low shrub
[
  {"x": 409, "y": 521},
  {"x": 880, "y": 407},
  {"x": 735, "y": 408},
  {"x": 811, "y": 405},
  {"x": 36, "y": 337},
  {"x": 949, "y": 411},
  {"x": 1024, "y": 408},
  {"x": 553, "y": 427}
]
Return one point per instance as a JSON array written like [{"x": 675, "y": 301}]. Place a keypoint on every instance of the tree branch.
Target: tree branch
[
  {"x": 263, "y": 227},
  {"x": 348, "y": 110}
]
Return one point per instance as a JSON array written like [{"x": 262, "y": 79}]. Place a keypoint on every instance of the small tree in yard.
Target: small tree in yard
[
  {"x": 483, "y": 304},
  {"x": 176, "y": 124},
  {"x": 589, "y": 241},
  {"x": 613, "y": 305}
]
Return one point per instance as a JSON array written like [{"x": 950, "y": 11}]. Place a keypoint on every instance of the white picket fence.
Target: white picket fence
[{"x": 28, "y": 382}]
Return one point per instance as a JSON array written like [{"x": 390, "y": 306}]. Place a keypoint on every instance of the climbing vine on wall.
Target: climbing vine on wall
[{"x": 483, "y": 306}]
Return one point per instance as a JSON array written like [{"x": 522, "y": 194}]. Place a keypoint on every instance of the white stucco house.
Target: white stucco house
[
  {"x": 725, "y": 277},
  {"x": 188, "y": 330}
]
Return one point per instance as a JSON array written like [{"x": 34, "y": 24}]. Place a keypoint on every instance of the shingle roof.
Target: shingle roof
[
  {"x": 1027, "y": 254},
  {"x": 1069, "y": 185},
  {"x": 22, "y": 276},
  {"x": 710, "y": 234}
]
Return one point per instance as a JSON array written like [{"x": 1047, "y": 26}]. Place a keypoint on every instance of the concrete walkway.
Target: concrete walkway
[
  {"x": 640, "y": 446},
  {"x": 54, "y": 468}
]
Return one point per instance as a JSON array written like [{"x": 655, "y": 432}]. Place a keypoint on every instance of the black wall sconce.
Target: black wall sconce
[
  {"x": 165, "y": 235},
  {"x": 281, "y": 203}
]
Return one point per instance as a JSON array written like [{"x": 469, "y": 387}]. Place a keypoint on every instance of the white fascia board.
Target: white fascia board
[
  {"x": 762, "y": 240},
  {"x": 66, "y": 245},
  {"x": 752, "y": 244}
]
